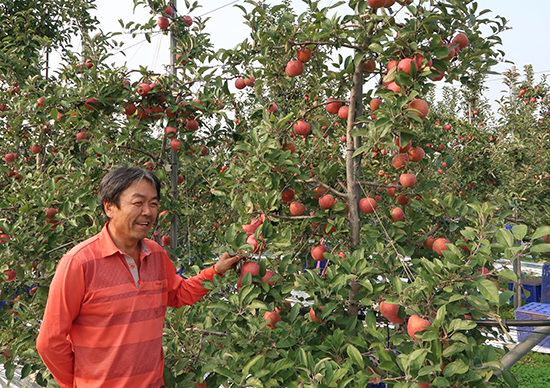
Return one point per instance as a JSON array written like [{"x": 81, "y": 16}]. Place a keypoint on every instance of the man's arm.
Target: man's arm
[
  {"x": 64, "y": 300},
  {"x": 189, "y": 291}
]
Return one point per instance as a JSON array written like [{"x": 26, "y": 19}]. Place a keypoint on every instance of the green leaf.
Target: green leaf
[
  {"x": 488, "y": 289},
  {"x": 540, "y": 248},
  {"x": 508, "y": 274},
  {"x": 259, "y": 358},
  {"x": 540, "y": 232},
  {"x": 227, "y": 373},
  {"x": 455, "y": 368},
  {"x": 505, "y": 238},
  {"x": 519, "y": 231},
  {"x": 376, "y": 47},
  {"x": 356, "y": 356}
]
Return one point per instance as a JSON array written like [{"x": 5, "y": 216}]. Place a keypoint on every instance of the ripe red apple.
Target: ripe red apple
[
  {"x": 416, "y": 324},
  {"x": 40, "y": 102},
  {"x": 326, "y": 201},
  {"x": 462, "y": 40},
  {"x": 83, "y": 135},
  {"x": 50, "y": 212},
  {"x": 375, "y": 4},
  {"x": 272, "y": 107},
  {"x": 416, "y": 154},
  {"x": 239, "y": 83},
  {"x": 403, "y": 150},
  {"x": 163, "y": 22},
  {"x": 180, "y": 179},
  {"x": 319, "y": 191},
  {"x": 389, "y": 310},
  {"x": 318, "y": 252},
  {"x": 400, "y": 160},
  {"x": 313, "y": 316},
  {"x": 203, "y": 150},
  {"x": 165, "y": 240},
  {"x": 343, "y": 112},
  {"x": 252, "y": 267},
  {"x": 440, "y": 245},
  {"x": 129, "y": 108},
  {"x": 428, "y": 244},
  {"x": 4, "y": 238},
  {"x": 302, "y": 128},
  {"x": 9, "y": 157},
  {"x": 304, "y": 55},
  {"x": 397, "y": 214},
  {"x": 35, "y": 149},
  {"x": 192, "y": 125},
  {"x": 394, "y": 87},
  {"x": 333, "y": 107},
  {"x": 268, "y": 276},
  {"x": 188, "y": 20},
  {"x": 91, "y": 103},
  {"x": 421, "y": 106},
  {"x": 272, "y": 317},
  {"x": 407, "y": 180},
  {"x": 290, "y": 147},
  {"x": 297, "y": 208},
  {"x": 168, "y": 11},
  {"x": 405, "y": 65},
  {"x": 11, "y": 275},
  {"x": 375, "y": 104},
  {"x": 143, "y": 89},
  {"x": 170, "y": 132},
  {"x": 367, "y": 205},
  {"x": 403, "y": 199},
  {"x": 176, "y": 145},
  {"x": 287, "y": 196},
  {"x": 369, "y": 65},
  {"x": 294, "y": 68}
]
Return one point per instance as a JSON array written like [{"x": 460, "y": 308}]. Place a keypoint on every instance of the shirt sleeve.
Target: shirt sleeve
[
  {"x": 65, "y": 297},
  {"x": 185, "y": 291}
]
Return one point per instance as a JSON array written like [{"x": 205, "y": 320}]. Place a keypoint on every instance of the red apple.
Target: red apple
[
  {"x": 272, "y": 107},
  {"x": 313, "y": 316},
  {"x": 163, "y": 23},
  {"x": 40, "y": 102},
  {"x": 304, "y": 55},
  {"x": 35, "y": 149},
  {"x": 9, "y": 157},
  {"x": 294, "y": 68},
  {"x": 343, "y": 112},
  {"x": 272, "y": 317},
  {"x": 416, "y": 154},
  {"x": 50, "y": 212},
  {"x": 176, "y": 145},
  {"x": 367, "y": 205},
  {"x": 290, "y": 147},
  {"x": 252, "y": 267},
  {"x": 421, "y": 106},
  {"x": 369, "y": 65},
  {"x": 287, "y": 196},
  {"x": 143, "y": 89},
  {"x": 375, "y": 104},
  {"x": 129, "y": 108},
  {"x": 188, "y": 20},
  {"x": 192, "y": 125},
  {"x": 297, "y": 208},
  {"x": 405, "y": 65},
  {"x": 400, "y": 160},
  {"x": 440, "y": 245},
  {"x": 403, "y": 199},
  {"x": 168, "y": 11},
  {"x": 83, "y": 135},
  {"x": 268, "y": 276},
  {"x": 397, "y": 214},
  {"x": 239, "y": 83},
  {"x": 407, "y": 180},
  {"x": 462, "y": 40},
  {"x": 326, "y": 201},
  {"x": 416, "y": 324},
  {"x": 11, "y": 275},
  {"x": 302, "y": 128},
  {"x": 333, "y": 107},
  {"x": 165, "y": 240},
  {"x": 375, "y": 4},
  {"x": 90, "y": 103},
  {"x": 170, "y": 132},
  {"x": 394, "y": 87},
  {"x": 388, "y": 310},
  {"x": 318, "y": 252}
]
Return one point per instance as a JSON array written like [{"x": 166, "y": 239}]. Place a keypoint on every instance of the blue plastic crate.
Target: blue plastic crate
[
  {"x": 533, "y": 285},
  {"x": 545, "y": 289},
  {"x": 532, "y": 311}
]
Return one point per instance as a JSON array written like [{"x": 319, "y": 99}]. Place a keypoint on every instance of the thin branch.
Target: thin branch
[
  {"x": 206, "y": 332},
  {"x": 319, "y": 183}
]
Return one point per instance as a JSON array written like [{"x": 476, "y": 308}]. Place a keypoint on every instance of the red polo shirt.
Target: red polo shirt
[{"x": 101, "y": 328}]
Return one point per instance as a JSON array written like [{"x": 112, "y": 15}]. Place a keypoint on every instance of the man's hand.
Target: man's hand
[{"x": 225, "y": 263}]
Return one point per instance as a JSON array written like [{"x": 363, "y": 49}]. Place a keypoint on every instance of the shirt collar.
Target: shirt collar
[{"x": 108, "y": 247}]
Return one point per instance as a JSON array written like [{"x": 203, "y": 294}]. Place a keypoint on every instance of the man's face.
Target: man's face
[{"x": 132, "y": 221}]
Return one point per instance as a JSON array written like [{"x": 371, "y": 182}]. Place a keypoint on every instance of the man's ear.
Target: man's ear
[{"x": 108, "y": 206}]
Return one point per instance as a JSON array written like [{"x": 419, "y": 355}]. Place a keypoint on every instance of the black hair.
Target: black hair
[{"x": 116, "y": 181}]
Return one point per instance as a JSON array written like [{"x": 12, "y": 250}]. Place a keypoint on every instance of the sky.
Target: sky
[{"x": 523, "y": 44}]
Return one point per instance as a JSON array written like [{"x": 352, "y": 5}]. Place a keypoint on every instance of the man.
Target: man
[{"x": 105, "y": 312}]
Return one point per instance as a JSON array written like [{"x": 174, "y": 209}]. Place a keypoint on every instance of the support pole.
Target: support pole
[{"x": 173, "y": 154}]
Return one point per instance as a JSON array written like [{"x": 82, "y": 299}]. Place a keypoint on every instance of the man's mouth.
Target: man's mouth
[{"x": 144, "y": 224}]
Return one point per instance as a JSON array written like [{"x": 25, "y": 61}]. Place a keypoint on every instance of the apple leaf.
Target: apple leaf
[
  {"x": 488, "y": 289},
  {"x": 355, "y": 355},
  {"x": 376, "y": 47},
  {"x": 456, "y": 368},
  {"x": 540, "y": 248},
  {"x": 519, "y": 231},
  {"x": 508, "y": 274},
  {"x": 504, "y": 237},
  {"x": 540, "y": 232}
]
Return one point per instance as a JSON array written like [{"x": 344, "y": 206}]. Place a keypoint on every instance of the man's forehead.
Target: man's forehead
[{"x": 140, "y": 188}]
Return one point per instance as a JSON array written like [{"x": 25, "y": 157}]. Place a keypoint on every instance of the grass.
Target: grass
[{"x": 532, "y": 371}]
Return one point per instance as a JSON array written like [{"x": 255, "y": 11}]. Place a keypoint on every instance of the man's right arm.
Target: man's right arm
[{"x": 63, "y": 306}]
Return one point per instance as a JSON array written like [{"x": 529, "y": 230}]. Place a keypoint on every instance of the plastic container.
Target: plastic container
[
  {"x": 532, "y": 311},
  {"x": 545, "y": 288},
  {"x": 533, "y": 285}
]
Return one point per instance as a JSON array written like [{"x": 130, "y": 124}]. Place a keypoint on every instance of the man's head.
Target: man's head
[{"x": 116, "y": 181}]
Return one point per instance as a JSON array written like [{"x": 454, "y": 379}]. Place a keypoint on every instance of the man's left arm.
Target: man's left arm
[{"x": 189, "y": 291}]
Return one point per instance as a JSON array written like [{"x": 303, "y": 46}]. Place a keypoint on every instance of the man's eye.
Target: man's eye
[
  {"x": 137, "y": 203},
  {"x": 154, "y": 204}
]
